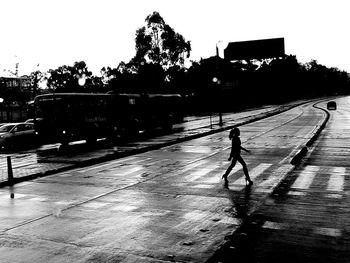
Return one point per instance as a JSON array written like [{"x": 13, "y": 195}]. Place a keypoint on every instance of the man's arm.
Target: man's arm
[{"x": 244, "y": 149}]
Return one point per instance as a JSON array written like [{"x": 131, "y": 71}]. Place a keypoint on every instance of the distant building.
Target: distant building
[
  {"x": 22, "y": 83},
  {"x": 14, "y": 95}
]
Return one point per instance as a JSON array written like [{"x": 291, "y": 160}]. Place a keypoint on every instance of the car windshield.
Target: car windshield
[{"x": 6, "y": 128}]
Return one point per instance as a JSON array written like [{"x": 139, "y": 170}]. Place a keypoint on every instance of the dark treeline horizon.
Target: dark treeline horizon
[{"x": 213, "y": 84}]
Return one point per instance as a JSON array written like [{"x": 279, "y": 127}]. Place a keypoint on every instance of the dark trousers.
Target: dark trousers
[{"x": 233, "y": 163}]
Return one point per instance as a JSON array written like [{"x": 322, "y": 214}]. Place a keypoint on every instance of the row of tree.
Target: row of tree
[{"x": 159, "y": 67}]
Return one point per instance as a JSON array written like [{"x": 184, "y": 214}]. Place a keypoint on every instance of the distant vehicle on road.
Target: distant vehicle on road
[
  {"x": 67, "y": 117},
  {"x": 331, "y": 105},
  {"x": 16, "y": 134}
]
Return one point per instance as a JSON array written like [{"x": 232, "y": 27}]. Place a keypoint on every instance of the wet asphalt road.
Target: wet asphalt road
[
  {"x": 306, "y": 219},
  {"x": 31, "y": 163},
  {"x": 166, "y": 205}
]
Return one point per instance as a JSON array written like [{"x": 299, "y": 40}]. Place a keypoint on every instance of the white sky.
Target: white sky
[{"x": 53, "y": 33}]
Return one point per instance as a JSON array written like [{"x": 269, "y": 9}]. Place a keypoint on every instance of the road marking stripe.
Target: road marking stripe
[
  {"x": 235, "y": 169},
  {"x": 40, "y": 199},
  {"x": 201, "y": 172},
  {"x": 106, "y": 164},
  {"x": 334, "y": 196},
  {"x": 124, "y": 208},
  {"x": 325, "y": 231},
  {"x": 204, "y": 186},
  {"x": 259, "y": 170},
  {"x": 213, "y": 179},
  {"x": 94, "y": 205},
  {"x": 131, "y": 170},
  {"x": 254, "y": 173},
  {"x": 306, "y": 177},
  {"x": 194, "y": 165},
  {"x": 295, "y": 193},
  {"x": 274, "y": 225},
  {"x": 276, "y": 176},
  {"x": 336, "y": 180}
]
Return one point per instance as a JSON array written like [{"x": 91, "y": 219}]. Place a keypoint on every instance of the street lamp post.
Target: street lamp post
[{"x": 217, "y": 81}]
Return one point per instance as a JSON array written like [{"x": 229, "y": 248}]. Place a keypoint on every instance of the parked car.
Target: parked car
[
  {"x": 331, "y": 105},
  {"x": 16, "y": 134}
]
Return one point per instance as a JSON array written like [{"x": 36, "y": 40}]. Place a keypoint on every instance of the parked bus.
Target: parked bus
[{"x": 67, "y": 117}]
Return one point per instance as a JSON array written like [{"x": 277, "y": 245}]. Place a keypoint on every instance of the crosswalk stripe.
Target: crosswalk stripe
[
  {"x": 276, "y": 176},
  {"x": 201, "y": 172},
  {"x": 332, "y": 232},
  {"x": 336, "y": 180},
  {"x": 254, "y": 173},
  {"x": 324, "y": 231},
  {"x": 213, "y": 179},
  {"x": 306, "y": 177},
  {"x": 131, "y": 170},
  {"x": 235, "y": 169},
  {"x": 194, "y": 165}
]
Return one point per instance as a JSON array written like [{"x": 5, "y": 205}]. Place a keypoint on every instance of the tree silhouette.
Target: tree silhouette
[
  {"x": 66, "y": 78},
  {"x": 158, "y": 43},
  {"x": 160, "y": 51},
  {"x": 36, "y": 77}
]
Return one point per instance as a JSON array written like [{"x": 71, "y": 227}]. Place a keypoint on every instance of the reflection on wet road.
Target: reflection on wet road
[
  {"x": 306, "y": 219},
  {"x": 46, "y": 158},
  {"x": 163, "y": 205}
]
